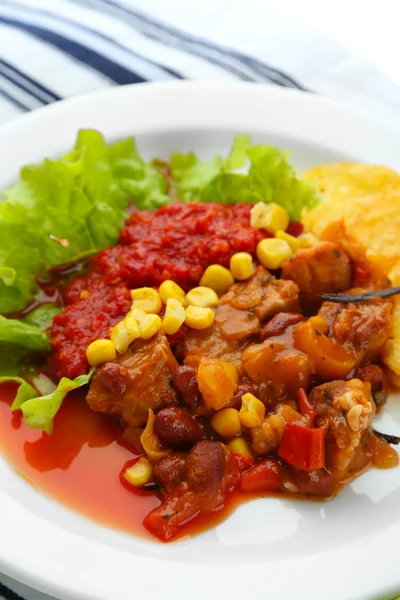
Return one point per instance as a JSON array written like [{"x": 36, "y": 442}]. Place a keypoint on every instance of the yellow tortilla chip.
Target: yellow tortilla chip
[{"x": 368, "y": 199}]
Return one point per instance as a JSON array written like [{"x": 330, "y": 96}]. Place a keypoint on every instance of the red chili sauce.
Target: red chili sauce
[{"x": 152, "y": 247}]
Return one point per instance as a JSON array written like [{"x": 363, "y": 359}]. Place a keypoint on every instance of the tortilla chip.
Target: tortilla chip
[{"x": 368, "y": 199}]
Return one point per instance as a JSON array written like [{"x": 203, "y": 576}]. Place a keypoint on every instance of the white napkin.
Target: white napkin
[{"x": 47, "y": 53}]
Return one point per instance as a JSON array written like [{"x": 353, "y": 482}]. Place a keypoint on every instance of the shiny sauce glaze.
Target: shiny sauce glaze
[{"x": 80, "y": 466}]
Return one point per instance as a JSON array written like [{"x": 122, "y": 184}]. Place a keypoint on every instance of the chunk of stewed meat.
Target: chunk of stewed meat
[
  {"x": 345, "y": 409},
  {"x": 377, "y": 378},
  {"x": 240, "y": 315},
  {"x": 323, "y": 268},
  {"x": 136, "y": 381},
  {"x": 363, "y": 326},
  {"x": 176, "y": 428}
]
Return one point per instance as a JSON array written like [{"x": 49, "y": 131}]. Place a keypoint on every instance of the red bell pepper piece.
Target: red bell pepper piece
[
  {"x": 178, "y": 508},
  {"x": 244, "y": 463},
  {"x": 295, "y": 228},
  {"x": 303, "y": 447},
  {"x": 264, "y": 476},
  {"x": 306, "y": 408},
  {"x": 236, "y": 467}
]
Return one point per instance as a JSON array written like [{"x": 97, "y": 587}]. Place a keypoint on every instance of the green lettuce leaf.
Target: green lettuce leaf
[
  {"x": 61, "y": 211},
  {"x": 42, "y": 317},
  {"x": 39, "y": 412},
  {"x": 25, "y": 391},
  {"x": 22, "y": 341},
  {"x": 269, "y": 178}
]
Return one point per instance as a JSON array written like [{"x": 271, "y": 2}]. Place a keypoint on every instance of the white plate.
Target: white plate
[{"x": 339, "y": 550}]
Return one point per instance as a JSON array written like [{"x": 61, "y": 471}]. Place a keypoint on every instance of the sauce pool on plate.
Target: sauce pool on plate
[{"x": 79, "y": 465}]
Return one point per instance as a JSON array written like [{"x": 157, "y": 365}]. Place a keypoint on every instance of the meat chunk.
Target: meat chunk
[
  {"x": 345, "y": 409},
  {"x": 136, "y": 381},
  {"x": 363, "y": 326},
  {"x": 323, "y": 268},
  {"x": 268, "y": 435},
  {"x": 240, "y": 314}
]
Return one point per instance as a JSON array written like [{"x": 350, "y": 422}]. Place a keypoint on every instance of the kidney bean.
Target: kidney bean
[
  {"x": 206, "y": 466},
  {"x": 176, "y": 428},
  {"x": 171, "y": 469},
  {"x": 185, "y": 383}
]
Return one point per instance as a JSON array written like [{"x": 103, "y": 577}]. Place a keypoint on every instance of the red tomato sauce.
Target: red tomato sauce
[
  {"x": 152, "y": 247},
  {"x": 79, "y": 465}
]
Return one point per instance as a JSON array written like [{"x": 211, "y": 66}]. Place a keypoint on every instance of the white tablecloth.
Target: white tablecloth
[{"x": 53, "y": 49}]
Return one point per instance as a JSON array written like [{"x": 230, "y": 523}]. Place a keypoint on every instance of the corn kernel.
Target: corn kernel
[
  {"x": 136, "y": 313},
  {"x": 240, "y": 446},
  {"x": 121, "y": 336},
  {"x": 252, "y": 412},
  {"x": 140, "y": 473},
  {"x": 218, "y": 278},
  {"x": 307, "y": 240},
  {"x": 146, "y": 299},
  {"x": 149, "y": 325},
  {"x": 202, "y": 296},
  {"x": 226, "y": 422},
  {"x": 293, "y": 242},
  {"x": 132, "y": 325},
  {"x": 100, "y": 351},
  {"x": 174, "y": 316},
  {"x": 241, "y": 266},
  {"x": 257, "y": 212},
  {"x": 170, "y": 289},
  {"x": 270, "y": 217},
  {"x": 199, "y": 317},
  {"x": 272, "y": 253}
]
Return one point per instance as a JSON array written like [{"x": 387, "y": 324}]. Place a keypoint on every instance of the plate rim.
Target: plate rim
[{"x": 62, "y": 115}]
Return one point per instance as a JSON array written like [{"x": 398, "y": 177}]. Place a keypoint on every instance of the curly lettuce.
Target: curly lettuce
[
  {"x": 61, "y": 211},
  {"x": 268, "y": 177}
]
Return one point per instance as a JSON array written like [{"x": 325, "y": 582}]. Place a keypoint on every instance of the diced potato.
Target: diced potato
[{"x": 217, "y": 381}]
